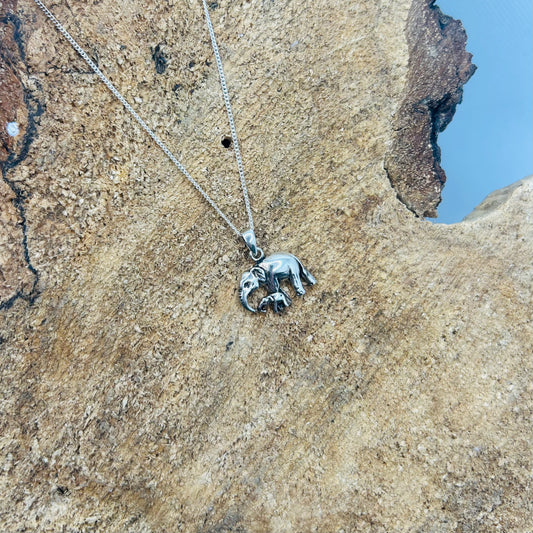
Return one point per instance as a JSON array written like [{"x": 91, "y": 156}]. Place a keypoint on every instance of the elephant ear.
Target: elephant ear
[{"x": 259, "y": 273}]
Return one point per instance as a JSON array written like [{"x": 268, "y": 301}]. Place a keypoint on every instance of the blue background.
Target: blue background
[{"x": 489, "y": 143}]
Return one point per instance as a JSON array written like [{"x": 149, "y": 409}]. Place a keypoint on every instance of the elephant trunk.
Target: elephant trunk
[{"x": 243, "y": 296}]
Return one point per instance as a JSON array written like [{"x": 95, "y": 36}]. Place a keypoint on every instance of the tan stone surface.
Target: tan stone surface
[
  {"x": 138, "y": 396},
  {"x": 17, "y": 278},
  {"x": 496, "y": 199}
]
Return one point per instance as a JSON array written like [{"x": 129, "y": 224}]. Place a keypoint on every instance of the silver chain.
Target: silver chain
[
  {"x": 156, "y": 139},
  {"x": 230, "y": 116}
]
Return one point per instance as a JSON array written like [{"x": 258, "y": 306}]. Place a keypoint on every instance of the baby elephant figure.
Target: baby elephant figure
[
  {"x": 269, "y": 272},
  {"x": 279, "y": 300}
]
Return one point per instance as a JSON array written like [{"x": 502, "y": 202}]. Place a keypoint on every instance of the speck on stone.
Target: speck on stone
[{"x": 12, "y": 129}]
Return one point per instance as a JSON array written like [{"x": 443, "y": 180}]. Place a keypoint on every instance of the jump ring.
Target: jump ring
[{"x": 258, "y": 256}]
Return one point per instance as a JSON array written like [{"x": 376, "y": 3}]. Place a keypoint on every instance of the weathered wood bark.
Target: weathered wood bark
[{"x": 137, "y": 395}]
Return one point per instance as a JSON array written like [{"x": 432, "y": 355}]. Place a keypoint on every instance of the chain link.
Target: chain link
[
  {"x": 155, "y": 138},
  {"x": 230, "y": 115}
]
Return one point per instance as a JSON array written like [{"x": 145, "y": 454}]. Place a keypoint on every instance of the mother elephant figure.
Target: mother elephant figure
[{"x": 269, "y": 272}]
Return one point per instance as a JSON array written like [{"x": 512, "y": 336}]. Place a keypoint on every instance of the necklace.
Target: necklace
[{"x": 267, "y": 271}]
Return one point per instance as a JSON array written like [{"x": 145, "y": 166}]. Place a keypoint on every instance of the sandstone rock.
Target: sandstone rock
[
  {"x": 17, "y": 119},
  {"x": 138, "y": 396},
  {"x": 496, "y": 199}
]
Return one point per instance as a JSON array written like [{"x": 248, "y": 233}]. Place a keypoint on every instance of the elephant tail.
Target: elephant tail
[{"x": 307, "y": 277}]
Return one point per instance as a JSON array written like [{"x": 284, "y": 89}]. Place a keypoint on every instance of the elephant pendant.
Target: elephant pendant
[{"x": 269, "y": 272}]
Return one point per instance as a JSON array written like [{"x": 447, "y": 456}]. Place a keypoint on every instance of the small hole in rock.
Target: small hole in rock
[{"x": 226, "y": 142}]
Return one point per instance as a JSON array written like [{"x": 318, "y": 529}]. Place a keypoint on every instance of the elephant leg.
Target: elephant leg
[
  {"x": 297, "y": 284},
  {"x": 281, "y": 301},
  {"x": 273, "y": 285}
]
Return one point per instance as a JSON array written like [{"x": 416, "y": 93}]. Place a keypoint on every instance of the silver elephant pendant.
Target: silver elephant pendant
[{"x": 269, "y": 272}]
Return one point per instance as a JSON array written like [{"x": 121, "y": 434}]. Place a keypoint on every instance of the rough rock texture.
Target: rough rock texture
[
  {"x": 18, "y": 278},
  {"x": 138, "y": 396},
  {"x": 439, "y": 66},
  {"x": 496, "y": 199}
]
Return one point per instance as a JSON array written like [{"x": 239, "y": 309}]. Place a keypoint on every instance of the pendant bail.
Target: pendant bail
[{"x": 255, "y": 252}]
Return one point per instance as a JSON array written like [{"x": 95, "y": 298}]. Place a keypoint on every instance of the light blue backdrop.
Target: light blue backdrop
[{"x": 489, "y": 143}]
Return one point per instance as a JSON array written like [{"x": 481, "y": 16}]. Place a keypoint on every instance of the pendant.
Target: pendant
[{"x": 269, "y": 272}]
